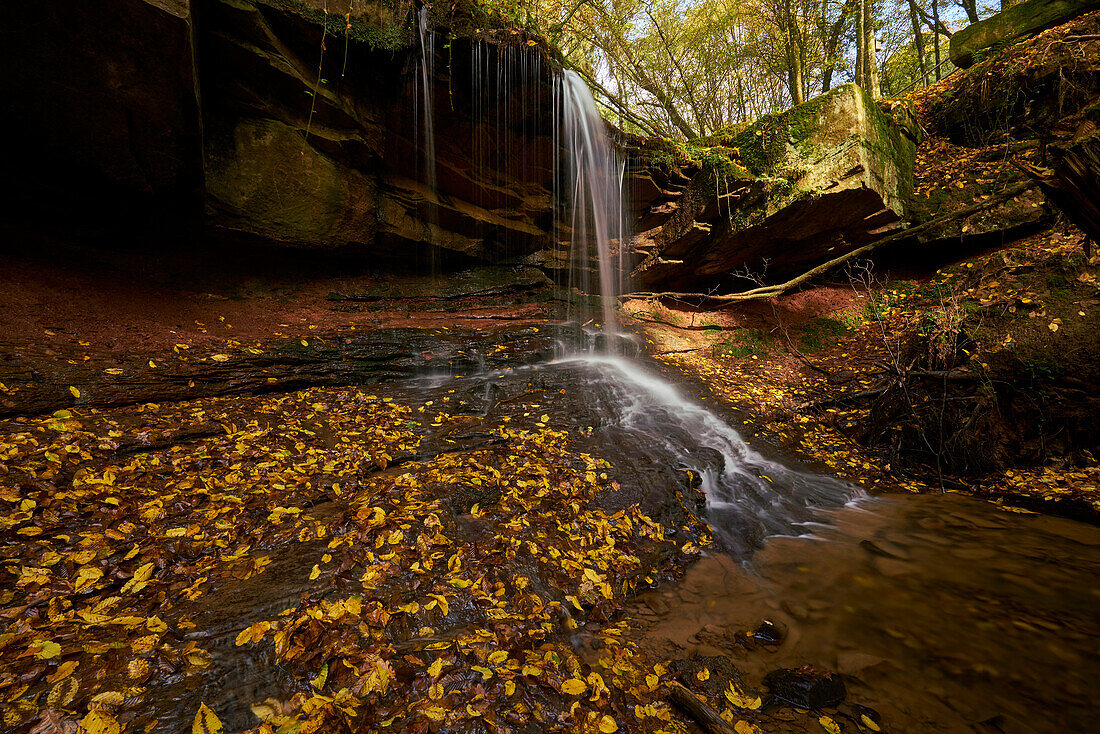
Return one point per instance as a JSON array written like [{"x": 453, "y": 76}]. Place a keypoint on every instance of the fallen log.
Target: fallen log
[
  {"x": 703, "y": 715},
  {"x": 771, "y": 291}
]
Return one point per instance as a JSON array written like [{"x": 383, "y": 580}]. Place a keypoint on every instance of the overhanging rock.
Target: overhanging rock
[
  {"x": 1019, "y": 20},
  {"x": 807, "y": 185}
]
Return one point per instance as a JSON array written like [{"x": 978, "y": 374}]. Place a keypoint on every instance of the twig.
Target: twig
[
  {"x": 702, "y": 327},
  {"x": 790, "y": 344},
  {"x": 703, "y": 715},
  {"x": 874, "y": 392},
  {"x": 678, "y": 351}
]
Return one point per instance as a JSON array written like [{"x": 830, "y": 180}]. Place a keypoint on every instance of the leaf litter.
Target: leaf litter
[{"x": 418, "y": 613}]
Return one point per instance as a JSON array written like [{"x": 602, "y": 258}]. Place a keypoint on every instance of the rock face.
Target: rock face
[
  {"x": 229, "y": 116},
  {"x": 811, "y": 182},
  {"x": 1019, "y": 20},
  {"x": 106, "y": 102},
  {"x": 274, "y": 124}
]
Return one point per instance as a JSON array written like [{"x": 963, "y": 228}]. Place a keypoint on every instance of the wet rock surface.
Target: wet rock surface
[
  {"x": 806, "y": 687},
  {"x": 37, "y": 381}
]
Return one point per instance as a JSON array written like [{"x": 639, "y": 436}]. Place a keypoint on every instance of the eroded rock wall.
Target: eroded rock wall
[{"x": 273, "y": 123}]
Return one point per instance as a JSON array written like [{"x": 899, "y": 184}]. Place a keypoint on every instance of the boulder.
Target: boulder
[
  {"x": 1012, "y": 23},
  {"x": 802, "y": 186},
  {"x": 806, "y": 687}
]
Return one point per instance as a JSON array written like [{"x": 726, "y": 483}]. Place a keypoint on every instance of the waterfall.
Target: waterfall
[
  {"x": 427, "y": 62},
  {"x": 749, "y": 497},
  {"x": 592, "y": 196}
]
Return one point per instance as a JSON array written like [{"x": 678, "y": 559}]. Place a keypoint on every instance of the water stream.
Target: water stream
[
  {"x": 593, "y": 195},
  {"x": 944, "y": 613}
]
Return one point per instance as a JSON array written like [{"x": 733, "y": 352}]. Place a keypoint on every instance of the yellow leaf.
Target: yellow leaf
[
  {"x": 740, "y": 699},
  {"x": 76, "y": 394},
  {"x": 869, "y": 722},
  {"x": 138, "y": 668},
  {"x": 322, "y": 677},
  {"x": 313, "y": 574},
  {"x": 82, "y": 557},
  {"x": 63, "y": 693},
  {"x": 220, "y": 357},
  {"x": 608, "y": 725},
  {"x": 435, "y": 713},
  {"x": 206, "y": 721},
  {"x": 574, "y": 687},
  {"x": 829, "y": 725},
  {"x": 443, "y": 606},
  {"x": 98, "y": 721},
  {"x": 64, "y": 670},
  {"x": 108, "y": 698},
  {"x": 199, "y": 659},
  {"x": 435, "y": 668},
  {"x": 498, "y": 657},
  {"x": 113, "y": 371},
  {"x": 47, "y": 650}
]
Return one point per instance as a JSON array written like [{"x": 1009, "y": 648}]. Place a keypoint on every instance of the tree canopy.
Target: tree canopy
[{"x": 689, "y": 68}]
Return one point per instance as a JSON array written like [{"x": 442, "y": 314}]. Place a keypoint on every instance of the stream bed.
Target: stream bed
[{"x": 943, "y": 613}]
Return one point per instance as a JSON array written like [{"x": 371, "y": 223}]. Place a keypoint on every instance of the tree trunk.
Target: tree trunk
[
  {"x": 870, "y": 53},
  {"x": 918, "y": 39},
  {"x": 794, "y": 76},
  {"x": 861, "y": 47},
  {"x": 936, "y": 36},
  {"x": 971, "y": 8},
  {"x": 832, "y": 43}
]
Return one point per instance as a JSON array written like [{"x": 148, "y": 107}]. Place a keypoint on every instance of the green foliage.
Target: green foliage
[
  {"x": 746, "y": 343},
  {"x": 821, "y": 332}
]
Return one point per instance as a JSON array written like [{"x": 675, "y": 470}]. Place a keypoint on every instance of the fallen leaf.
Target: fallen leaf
[
  {"x": 206, "y": 721},
  {"x": 99, "y": 721}
]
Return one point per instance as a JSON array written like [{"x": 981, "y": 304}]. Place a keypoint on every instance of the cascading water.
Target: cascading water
[
  {"x": 593, "y": 195},
  {"x": 748, "y": 496},
  {"x": 427, "y": 61}
]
